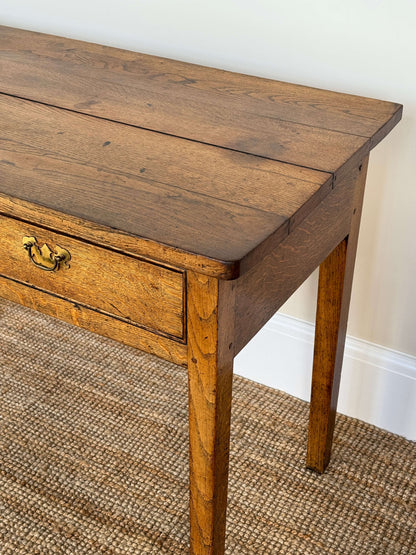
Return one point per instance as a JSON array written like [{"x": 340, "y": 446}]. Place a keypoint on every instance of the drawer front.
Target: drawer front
[{"x": 122, "y": 286}]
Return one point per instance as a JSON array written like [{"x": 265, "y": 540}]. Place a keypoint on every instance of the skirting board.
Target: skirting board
[{"x": 378, "y": 385}]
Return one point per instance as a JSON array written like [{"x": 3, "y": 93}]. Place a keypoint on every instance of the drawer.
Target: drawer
[{"x": 137, "y": 291}]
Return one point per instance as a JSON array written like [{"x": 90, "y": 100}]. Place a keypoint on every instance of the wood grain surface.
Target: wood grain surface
[
  {"x": 125, "y": 287},
  {"x": 210, "y": 364},
  {"x": 299, "y": 125},
  {"x": 177, "y": 155},
  {"x": 334, "y": 292},
  {"x": 121, "y": 177},
  {"x": 263, "y": 290}
]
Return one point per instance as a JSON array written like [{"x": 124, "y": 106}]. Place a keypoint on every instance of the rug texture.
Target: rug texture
[{"x": 94, "y": 458}]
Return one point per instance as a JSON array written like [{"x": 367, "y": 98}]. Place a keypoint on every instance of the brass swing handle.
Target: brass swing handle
[{"x": 43, "y": 257}]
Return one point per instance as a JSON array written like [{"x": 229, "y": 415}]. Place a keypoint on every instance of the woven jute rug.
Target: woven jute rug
[{"x": 94, "y": 458}]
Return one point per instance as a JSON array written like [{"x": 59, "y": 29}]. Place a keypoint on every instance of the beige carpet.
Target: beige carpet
[{"x": 93, "y": 458}]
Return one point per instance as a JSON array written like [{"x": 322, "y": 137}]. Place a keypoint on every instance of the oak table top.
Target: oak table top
[
  {"x": 175, "y": 208},
  {"x": 214, "y": 154}
]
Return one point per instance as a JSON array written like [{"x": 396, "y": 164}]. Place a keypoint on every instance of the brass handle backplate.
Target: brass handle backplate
[{"x": 43, "y": 257}]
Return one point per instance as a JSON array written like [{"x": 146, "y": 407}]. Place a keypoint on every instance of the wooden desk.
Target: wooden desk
[{"x": 182, "y": 206}]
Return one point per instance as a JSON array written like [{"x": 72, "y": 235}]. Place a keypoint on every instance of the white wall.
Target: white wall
[{"x": 366, "y": 47}]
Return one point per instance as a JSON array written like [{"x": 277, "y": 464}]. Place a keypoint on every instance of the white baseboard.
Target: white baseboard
[{"x": 378, "y": 385}]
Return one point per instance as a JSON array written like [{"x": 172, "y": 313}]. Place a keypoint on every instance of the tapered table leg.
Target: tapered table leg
[
  {"x": 210, "y": 361},
  {"x": 334, "y": 292}
]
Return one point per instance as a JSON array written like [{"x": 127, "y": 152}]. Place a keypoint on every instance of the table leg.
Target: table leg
[
  {"x": 210, "y": 363},
  {"x": 334, "y": 292}
]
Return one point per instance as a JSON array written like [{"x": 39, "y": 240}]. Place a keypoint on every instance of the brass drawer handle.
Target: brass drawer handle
[{"x": 43, "y": 257}]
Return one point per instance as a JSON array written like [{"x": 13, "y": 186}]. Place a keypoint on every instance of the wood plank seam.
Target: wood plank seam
[{"x": 151, "y": 130}]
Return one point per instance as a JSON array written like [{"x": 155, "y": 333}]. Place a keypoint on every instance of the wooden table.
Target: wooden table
[{"x": 175, "y": 208}]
